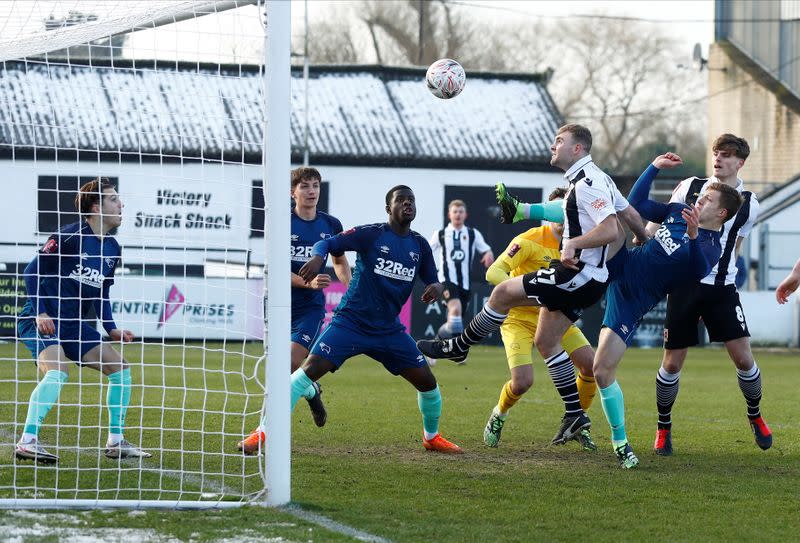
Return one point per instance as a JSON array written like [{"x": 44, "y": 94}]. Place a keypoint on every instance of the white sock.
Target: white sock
[
  {"x": 428, "y": 435},
  {"x": 27, "y": 438},
  {"x": 499, "y": 413},
  {"x": 113, "y": 439}
]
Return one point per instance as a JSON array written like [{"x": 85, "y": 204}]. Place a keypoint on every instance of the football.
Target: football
[{"x": 445, "y": 78}]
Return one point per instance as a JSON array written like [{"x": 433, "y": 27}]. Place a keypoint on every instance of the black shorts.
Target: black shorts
[
  {"x": 454, "y": 292},
  {"x": 718, "y": 306},
  {"x": 563, "y": 289}
]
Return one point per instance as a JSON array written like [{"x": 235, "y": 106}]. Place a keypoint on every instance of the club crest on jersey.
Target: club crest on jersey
[
  {"x": 325, "y": 348},
  {"x": 110, "y": 262},
  {"x": 414, "y": 256},
  {"x": 324, "y": 235},
  {"x": 384, "y": 249},
  {"x": 514, "y": 249}
]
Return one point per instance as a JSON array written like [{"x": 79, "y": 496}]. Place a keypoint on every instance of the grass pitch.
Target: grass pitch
[{"x": 367, "y": 469}]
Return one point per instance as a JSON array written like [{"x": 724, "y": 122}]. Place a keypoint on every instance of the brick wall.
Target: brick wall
[{"x": 753, "y": 111}]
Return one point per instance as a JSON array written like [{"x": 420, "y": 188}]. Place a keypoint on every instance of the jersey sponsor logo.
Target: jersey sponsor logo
[
  {"x": 300, "y": 253},
  {"x": 600, "y": 203},
  {"x": 664, "y": 239},
  {"x": 458, "y": 255},
  {"x": 394, "y": 270},
  {"x": 87, "y": 275},
  {"x": 514, "y": 249},
  {"x": 50, "y": 247}
]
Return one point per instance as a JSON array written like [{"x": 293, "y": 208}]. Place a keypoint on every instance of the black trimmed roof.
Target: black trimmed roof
[{"x": 360, "y": 115}]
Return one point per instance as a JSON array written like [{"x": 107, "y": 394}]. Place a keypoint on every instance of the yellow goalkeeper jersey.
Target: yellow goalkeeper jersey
[{"x": 528, "y": 252}]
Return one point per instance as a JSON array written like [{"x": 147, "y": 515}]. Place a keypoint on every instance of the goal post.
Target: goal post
[{"x": 194, "y": 136}]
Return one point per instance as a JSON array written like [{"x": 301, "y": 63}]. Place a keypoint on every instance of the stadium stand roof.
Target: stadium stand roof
[{"x": 360, "y": 115}]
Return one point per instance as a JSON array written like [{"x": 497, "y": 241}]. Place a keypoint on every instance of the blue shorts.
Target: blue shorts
[
  {"x": 76, "y": 339},
  {"x": 627, "y": 298},
  {"x": 397, "y": 351},
  {"x": 306, "y": 327}
]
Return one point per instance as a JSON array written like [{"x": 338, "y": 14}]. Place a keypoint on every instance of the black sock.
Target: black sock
[
  {"x": 667, "y": 385},
  {"x": 750, "y": 385},
  {"x": 484, "y": 323},
  {"x": 563, "y": 375}
]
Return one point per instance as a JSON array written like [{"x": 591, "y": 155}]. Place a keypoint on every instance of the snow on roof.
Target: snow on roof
[{"x": 358, "y": 114}]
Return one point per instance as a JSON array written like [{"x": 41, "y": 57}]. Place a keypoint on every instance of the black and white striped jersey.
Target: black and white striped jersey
[
  {"x": 738, "y": 226},
  {"x": 453, "y": 251},
  {"x": 591, "y": 198}
]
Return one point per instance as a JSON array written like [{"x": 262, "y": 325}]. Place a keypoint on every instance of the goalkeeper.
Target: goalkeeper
[{"x": 74, "y": 270}]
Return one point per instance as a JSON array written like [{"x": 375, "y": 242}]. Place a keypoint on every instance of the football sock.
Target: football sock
[
  {"x": 42, "y": 399},
  {"x": 310, "y": 392},
  {"x": 750, "y": 385},
  {"x": 430, "y": 405},
  {"x": 587, "y": 388},
  {"x": 484, "y": 323},
  {"x": 562, "y": 373},
  {"x": 455, "y": 324},
  {"x": 507, "y": 399},
  {"x": 667, "y": 385},
  {"x": 614, "y": 408},
  {"x": 117, "y": 399},
  {"x": 300, "y": 385}
]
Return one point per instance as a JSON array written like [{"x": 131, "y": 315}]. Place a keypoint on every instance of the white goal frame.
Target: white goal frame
[{"x": 275, "y": 465}]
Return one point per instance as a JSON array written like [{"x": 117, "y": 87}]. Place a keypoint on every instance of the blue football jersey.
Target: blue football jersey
[
  {"x": 304, "y": 235},
  {"x": 384, "y": 274},
  {"x": 668, "y": 260},
  {"x": 70, "y": 273}
]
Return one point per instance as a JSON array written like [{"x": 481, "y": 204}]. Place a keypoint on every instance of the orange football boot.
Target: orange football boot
[
  {"x": 440, "y": 444},
  {"x": 253, "y": 443}
]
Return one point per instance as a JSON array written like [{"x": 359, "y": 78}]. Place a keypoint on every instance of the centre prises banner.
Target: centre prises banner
[{"x": 187, "y": 308}]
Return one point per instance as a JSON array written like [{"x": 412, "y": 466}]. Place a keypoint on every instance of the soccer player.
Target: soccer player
[
  {"x": 528, "y": 252},
  {"x": 75, "y": 269},
  {"x": 575, "y": 282},
  {"x": 454, "y": 248},
  {"x": 309, "y": 225},
  {"x": 788, "y": 285},
  {"x": 713, "y": 299},
  {"x": 682, "y": 251},
  {"x": 390, "y": 257}
]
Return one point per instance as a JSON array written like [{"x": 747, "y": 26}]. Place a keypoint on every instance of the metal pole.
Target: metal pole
[
  {"x": 305, "y": 85},
  {"x": 276, "y": 153}
]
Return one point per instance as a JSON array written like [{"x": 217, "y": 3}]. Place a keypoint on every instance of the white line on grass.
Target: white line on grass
[
  {"x": 332, "y": 525},
  {"x": 294, "y": 510}
]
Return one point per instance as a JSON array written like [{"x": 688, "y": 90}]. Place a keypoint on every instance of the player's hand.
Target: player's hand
[
  {"x": 639, "y": 241},
  {"x": 692, "y": 217},
  {"x": 432, "y": 292},
  {"x": 786, "y": 288},
  {"x": 320, "y": 282},
  {"x": 45, "y": 324},
  {"x": 568, "y": 258},
  {"x": 667, "y": 160},
  {"x": 125, "y": 336},
  {"x": 487, "y": 259},
  {"x": 311, "y": 268}
]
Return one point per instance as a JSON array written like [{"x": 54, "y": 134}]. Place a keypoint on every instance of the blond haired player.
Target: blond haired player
[{"x": 530, "y": 251}]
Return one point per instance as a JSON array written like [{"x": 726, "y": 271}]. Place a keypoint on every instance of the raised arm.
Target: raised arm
[{"x": 788, "y": 285}]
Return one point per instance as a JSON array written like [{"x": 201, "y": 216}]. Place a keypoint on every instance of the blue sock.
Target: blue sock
[
  {"x": 117, "y": 400},
  {"x": 430, "y": 405},
  {"x": 614, "y": 408},
  {"x": 300, "y": 385},
  {"x": 42, "y": 399},
  {"x": 456, "y": 325}
]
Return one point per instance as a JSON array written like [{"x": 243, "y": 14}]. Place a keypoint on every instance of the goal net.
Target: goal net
[{"x": 169, "y": 101}]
